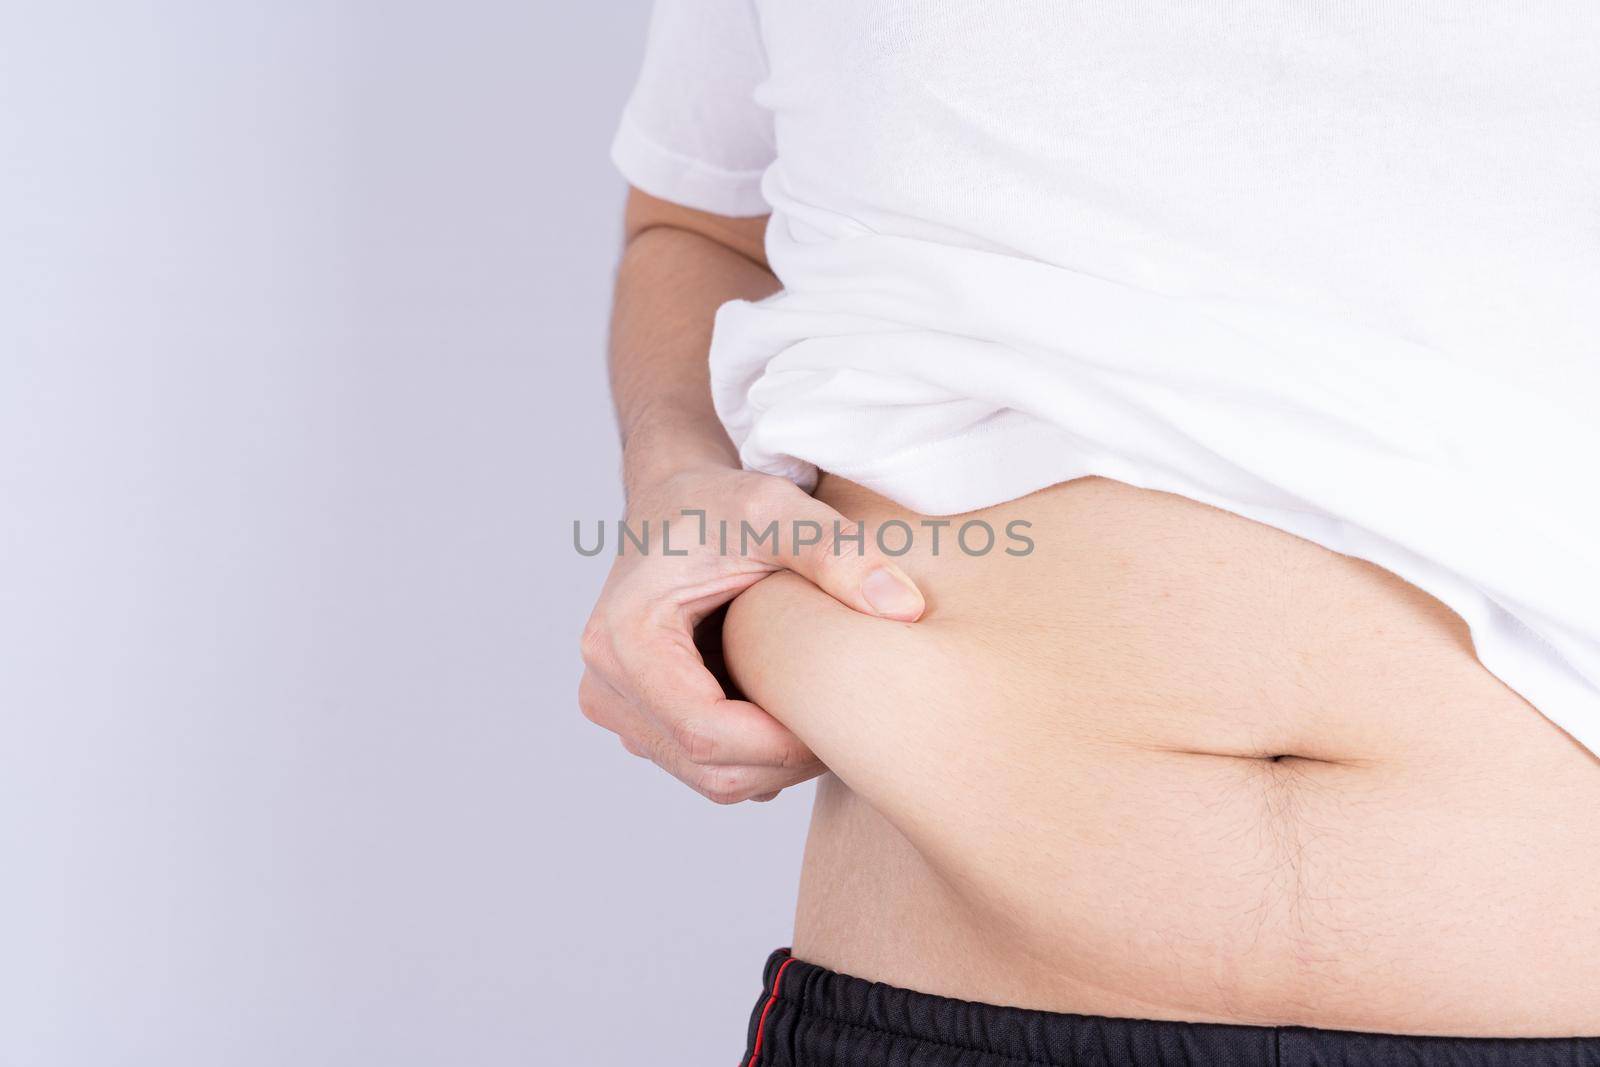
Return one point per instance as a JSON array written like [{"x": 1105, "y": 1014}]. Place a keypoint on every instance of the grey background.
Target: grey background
[{"x": 302, "y": 307}]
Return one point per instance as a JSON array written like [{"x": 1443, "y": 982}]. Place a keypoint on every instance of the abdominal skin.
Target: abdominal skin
[{"x": 1175, "y": 764}]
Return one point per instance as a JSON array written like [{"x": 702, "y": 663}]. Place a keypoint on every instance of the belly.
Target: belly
[{"x": 1175, "y": 764}]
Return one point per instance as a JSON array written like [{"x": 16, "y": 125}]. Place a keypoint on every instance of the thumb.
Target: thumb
[{"x": 839, "y": 556}]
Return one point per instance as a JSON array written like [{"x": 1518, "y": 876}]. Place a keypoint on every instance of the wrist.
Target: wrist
[{"x": 650, "y": 458}]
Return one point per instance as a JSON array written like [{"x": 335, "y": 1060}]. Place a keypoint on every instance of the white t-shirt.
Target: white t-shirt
[{"x": 1334, "y": 267}]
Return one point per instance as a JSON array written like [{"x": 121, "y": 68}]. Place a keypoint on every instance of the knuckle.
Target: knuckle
[
  {"x": 588, "y": 700},
  {"x": 830, "y": 567},
  {"x": 694, "y": 739},
  {"x": 593, "y": 641},
  {"x": 658, "y": 750},
  {"x": 792, "y": 757}
]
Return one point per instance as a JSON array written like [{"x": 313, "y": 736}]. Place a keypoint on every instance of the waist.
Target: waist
[{"x": 1174, "y": 764}]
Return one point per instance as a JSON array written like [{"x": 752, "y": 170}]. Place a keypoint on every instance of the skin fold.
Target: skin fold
[{"x": 1175, "y": 764}]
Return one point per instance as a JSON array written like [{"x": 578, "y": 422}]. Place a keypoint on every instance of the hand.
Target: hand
[{"x": 645, "y": 681}]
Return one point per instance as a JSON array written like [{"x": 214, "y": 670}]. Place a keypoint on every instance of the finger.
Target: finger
[
  {"x": 601, "y": 704},
  {"x": 672, "y": 687},
  {"x": 782, "y": 760},
  {"x": 855, "y": 573},
  {"x": 720, "y": 783},
  {"x": 732, "y": 784},
  {"x": 610, "y": 710},
  {"x": 732, "y": 733}
]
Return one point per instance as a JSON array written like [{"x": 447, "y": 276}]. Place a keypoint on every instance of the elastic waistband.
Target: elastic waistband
[{"x": 808, "y": 1016}]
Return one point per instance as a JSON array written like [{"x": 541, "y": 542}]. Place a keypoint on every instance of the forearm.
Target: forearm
[{"x": 669, "y": 285}]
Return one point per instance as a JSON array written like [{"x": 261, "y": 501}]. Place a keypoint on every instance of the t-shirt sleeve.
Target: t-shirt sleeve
[{"x": 692, "y": 132}]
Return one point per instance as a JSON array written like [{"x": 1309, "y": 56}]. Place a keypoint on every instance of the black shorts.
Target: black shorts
[{"x": 811, "y": 1017}]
